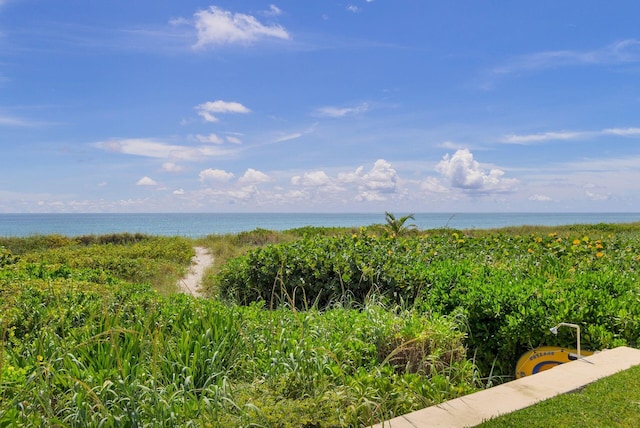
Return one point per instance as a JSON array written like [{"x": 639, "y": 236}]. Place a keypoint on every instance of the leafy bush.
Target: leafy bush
[{"x": 509, "y": 288}]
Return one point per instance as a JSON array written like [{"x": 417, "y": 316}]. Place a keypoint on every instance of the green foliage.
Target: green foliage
[
  {"x": 6, "y": 257},
  {"x": 84, "y": 343},
  {"x": 508, "y": 288},
  {"x": 320, "y": 271},
  {"x": 397, "y": 226}
]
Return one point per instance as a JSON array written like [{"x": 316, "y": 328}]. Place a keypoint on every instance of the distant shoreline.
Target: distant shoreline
[{"x": 202, "y": 224}]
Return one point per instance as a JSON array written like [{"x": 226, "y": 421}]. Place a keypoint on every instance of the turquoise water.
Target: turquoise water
[{"x": 202, "y": 224}]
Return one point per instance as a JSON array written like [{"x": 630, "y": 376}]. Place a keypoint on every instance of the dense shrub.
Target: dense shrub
[{"x": 509, "y": 288}]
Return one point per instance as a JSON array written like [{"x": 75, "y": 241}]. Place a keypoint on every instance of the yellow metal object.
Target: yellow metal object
[{"x": 544, "y": 358}]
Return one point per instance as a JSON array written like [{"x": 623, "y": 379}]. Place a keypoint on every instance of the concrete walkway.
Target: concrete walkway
[{"x": 473, "y": 409}]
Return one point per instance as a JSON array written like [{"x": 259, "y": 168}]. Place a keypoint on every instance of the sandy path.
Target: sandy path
[{"x": 190, "y": 283}]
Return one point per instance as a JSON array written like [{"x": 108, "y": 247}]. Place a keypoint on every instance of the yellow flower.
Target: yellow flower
[
  {"x": 598, "y": 255},
  {"x": 599, "y": 246},
  {"x": 530, "y": 250},
  {"x": 576, "y": 242}
]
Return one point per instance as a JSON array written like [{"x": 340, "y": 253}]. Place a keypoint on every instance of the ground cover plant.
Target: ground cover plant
[
  {"x": 509, "y": 288},
  {"x": 308, "y": 327},
  {"x": 85, "y": 340}
]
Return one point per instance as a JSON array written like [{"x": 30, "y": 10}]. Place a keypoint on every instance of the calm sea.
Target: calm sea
[{"x": 201, "y": 224}]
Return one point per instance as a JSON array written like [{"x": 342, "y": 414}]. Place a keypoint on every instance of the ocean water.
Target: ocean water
[{"x": 202, "y": 224}]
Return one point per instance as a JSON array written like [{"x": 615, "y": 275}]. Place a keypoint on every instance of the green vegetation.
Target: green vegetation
[
  {"x": 86, "y": 341},
  {"x": 308, "y": 327},
  {"x": 610, "y": 402},
  {"x": 506, "y": 288}
]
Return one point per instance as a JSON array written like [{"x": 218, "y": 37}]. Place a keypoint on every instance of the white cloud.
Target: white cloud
[
  {"x": 172, "y": 167},
  {"x": 233, "y": 140},
  {"x": 251, "y": 176},
  {"x": 146, "y": 181},
  {"x": 273, "y": 11},
  {"x": 206, "y": 109},
  {"x": 312, "y": 179},
  {"x": 568, "y": 135},
  {"x": 625, "y": 132},
  {"x": 540, "y": 198},
  {"x": 336, "y": 112},
  {"x": 217, "y": 27},
  {"x": 157, "y": 149},
  {"x": 211, "y": 139},
  {"x": 179, "y": 192},
  {"x": 382, "y": 177},
  {"x": 545, "y": 136},
  {"x": 451, "y": 145},
  {"x": 353, "y": 8},
  {"x": 219, "y": 175},
  {"x": 463, "y": 172},
  {"x": 433, "y": 185},
  {"x": 595, "y": 196}
]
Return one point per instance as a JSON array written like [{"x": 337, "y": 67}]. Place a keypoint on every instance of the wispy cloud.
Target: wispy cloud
[
  {"x": 161, "y": 150},
  {"x": 336, "y": 112},
  {"x": 14, "y": 121},
  {"x": 288, "y": 137},
  {"x": 217, "y": 27},
  {"x": 625, "y": 51},
  {"x": 205, "y": 110},
  {"x": 273, "y": 11},
  {"x": 567, "y": 135}
]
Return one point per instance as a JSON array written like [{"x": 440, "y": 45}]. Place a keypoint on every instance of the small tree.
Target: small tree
[{"x": 396, "y": 226}]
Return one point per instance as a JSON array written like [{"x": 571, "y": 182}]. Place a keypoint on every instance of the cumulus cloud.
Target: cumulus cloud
[
  {"x": 171, "y": 167},
  {"x": 206, "y": 109},
  {"x": 251, "y": 176},
  {"x": 353, "y": 8},
  {"x": 381, "y": 178},
  {"x": 312, "y": 179},
  {"x": 217, "y": 27},
  {"x": 336, "y": 112},
  {"x": 158, "y": 149},
  {"x": 217, "y": 175},
  {"x": 464, "y": 172},
  {"x": 146, "y": 181}
]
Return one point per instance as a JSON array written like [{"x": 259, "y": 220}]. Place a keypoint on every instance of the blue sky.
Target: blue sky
[{"x": 319, "y": 106}]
